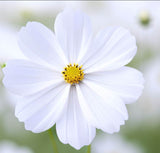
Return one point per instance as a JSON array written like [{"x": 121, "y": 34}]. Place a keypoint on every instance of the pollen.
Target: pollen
[{"x": 73, "y": 73}]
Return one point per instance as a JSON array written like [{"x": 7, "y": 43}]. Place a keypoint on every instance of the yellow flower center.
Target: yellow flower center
[{"x": 73, "y": 73}]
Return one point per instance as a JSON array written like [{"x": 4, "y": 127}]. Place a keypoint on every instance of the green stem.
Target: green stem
[
  {"x": 53, "y": 141},
  {"x": 89, "y": 149}
]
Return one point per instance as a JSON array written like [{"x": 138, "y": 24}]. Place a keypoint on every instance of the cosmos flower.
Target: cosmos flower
[
  {"x": 142, "y": 18},
  {"x": 106, "y": 144},
  {"x": 7, "y": 52},
  {"x": 74, "y": 79},
  {"x": 150, "y": 100},
  {"x": 10, "y": 147},
  {"x": 11, "y": 51}
]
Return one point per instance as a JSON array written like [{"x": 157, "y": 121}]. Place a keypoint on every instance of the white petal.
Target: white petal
[
  {"x": 101, "y": 108},
  {"x": 24, "y": 77},
  {"x": 40, "y": 45},
  {"x": 73, "y": 31},
  {"x": 40, "y": 111},
  {"x": 125, "y": 82},
  {"x": 112, "y": 49},
  {"x": 72, "y": 128}
]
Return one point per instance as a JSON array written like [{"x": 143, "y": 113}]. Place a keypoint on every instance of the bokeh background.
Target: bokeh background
[{"x": 141, "y": 133}]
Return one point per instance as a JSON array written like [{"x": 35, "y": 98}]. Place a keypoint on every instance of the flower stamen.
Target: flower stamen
[{"x": 73, "y": 73}]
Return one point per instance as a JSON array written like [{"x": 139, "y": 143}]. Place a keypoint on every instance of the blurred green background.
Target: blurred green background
[{"x": 141, "y": 18}]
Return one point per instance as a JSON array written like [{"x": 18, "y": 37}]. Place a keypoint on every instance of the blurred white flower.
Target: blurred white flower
[
  {"x": 152, "y": 76},
  {"x": 21, "y": 9},
  {"x": 14, "y": 10},
  {"x": 58, "y": 91},
  {"x": 152, "y": 89},
  {"x": 1, "y": 75},
  {"x": 149, "y": 103},
  {"x": 141, "y": 17},
  {"x": 9, "y": 49},
  {"x": 10, "y": 147},
  {"x": 114, "y": 144}
]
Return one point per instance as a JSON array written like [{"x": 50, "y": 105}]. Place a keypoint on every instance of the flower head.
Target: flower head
[
  {"x": 10, "y": 51},
  {"x": 73, "y": 79},
  {"x": 10, "y": 147},
  {"x": 106, "y": 144},
  {"x": 144, "y": 18}
]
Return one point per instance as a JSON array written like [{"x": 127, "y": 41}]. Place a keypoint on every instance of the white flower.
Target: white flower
[
  {"x": 114, "y": 144},
  {"x": 7, "y": 51},
  {"x": 10, "y": 147},
  {"x": 153, "y": 78},
  {"x": 150, "y": 100},
  {"x": 92, "y": 96},
  {"x": 132, "y": 15},
  {"x": 152, "y": 90},
  {"x": 1, "y": 74}
]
